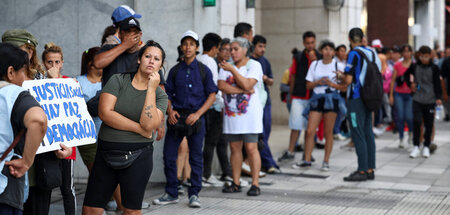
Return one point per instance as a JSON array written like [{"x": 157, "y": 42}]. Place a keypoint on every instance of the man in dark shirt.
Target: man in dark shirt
[
  {"x": 299, "y": 94},
  {"x": 122, "y": 58},
  {"x": 259, "y": 44},
  {"x": 191, "y": 91}
]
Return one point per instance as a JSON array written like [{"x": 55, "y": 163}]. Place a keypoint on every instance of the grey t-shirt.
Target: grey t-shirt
[
  {"x": 425, "y": 89},
  {"x": 130, "y": 102}
]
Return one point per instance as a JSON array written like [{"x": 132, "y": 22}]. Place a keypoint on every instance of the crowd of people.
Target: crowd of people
[
  {"x": 212, "y": 101},
  {"x": 323, "y": 87}
]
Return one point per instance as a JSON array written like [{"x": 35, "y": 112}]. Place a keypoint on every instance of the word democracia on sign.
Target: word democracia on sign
[{"x": 69, "y": 131}]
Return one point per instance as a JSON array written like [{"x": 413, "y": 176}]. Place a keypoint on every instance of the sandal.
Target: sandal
[
  {"x": 254, "y": 191},
  {"x": 233, "y": 188}
]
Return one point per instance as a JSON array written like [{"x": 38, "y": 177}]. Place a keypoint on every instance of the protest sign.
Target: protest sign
[{"x": 69, "y": 121}]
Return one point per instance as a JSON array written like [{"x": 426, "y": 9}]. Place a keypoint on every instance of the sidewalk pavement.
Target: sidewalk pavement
[{"x": 402, "y": 185}]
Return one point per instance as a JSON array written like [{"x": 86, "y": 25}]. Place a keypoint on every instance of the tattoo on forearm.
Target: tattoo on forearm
[
  {"x": 149, "y": 115},
  {"x": 149, "y": 107}
]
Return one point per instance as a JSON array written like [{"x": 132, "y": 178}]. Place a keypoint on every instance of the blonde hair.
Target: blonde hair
[
  {"x": 34, "y": 67},
  {"x": 51, "y": 47}
]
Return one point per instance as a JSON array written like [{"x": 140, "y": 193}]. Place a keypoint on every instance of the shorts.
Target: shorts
[
  {"x": 246, "y": 138},
  {"x": 296, "y": 119},
  {"x": 87, "y": 153},
  {"x": 133, "y": 180},
  {"x": 321, "y": 103}
]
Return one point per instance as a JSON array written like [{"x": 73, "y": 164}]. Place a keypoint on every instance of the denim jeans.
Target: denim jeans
[
  {"x": 360, "y": 120},
  {"x": 403, "y": 105}
]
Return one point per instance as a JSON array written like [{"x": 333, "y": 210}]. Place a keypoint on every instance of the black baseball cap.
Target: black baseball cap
[{"x": 129, "y": 23}]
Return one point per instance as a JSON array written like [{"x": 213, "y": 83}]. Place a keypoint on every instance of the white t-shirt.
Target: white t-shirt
[
  {"x": 212, "y": 65},
  {"x": 316, "y": 72},
  {"x": 243, "y": 112}
]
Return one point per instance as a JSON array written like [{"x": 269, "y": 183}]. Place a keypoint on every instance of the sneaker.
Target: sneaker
[
  {"x": 371, "y": 175},
  {"x": 254, "y": 191},
  {"x": 325, "y": 166},
  {"x": 378, "y": 131},
  {"x": 401, "y": 143},
  {"x": 273, "y": 170},
  {"x": 304, "y": 164},
  {"x": 225, "y": 178},
  {"x": 356, "y": 176},
  {"x": 246, "y": 169},
  {"x": 426, "y": 152},
  {"x": 111, "y": 206},
  {"x": 320, "y": 145},
  {"x": 243, "y": 182},
  {"x": 194, "y": 202},
  {"x": 145, "y": 205},
  {"x": 166, "y": 199},
  {"x": 287, "y": 156},
  {"x": 312, "y": 158},
  {"x": 410, "y": 139},
  {"x": 321, "y": 142},
  {"x": 186, "y": 183},
  {"x": 262, "y": 174},
  {"x": 433, "y": 147},
  {"x": 212, "y": 181},
  {"x": 340, "y": 137},
  {"x": 180, "y": 189},
  {"x": 415, "y": 152},
  {"x": 298, "y": 148}
]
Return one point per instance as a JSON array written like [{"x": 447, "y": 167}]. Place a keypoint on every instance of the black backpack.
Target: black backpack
[{"x": 372, "y": 91}]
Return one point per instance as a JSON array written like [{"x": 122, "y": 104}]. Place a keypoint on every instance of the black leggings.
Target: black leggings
[
  {"x": 423, "y": 112},
  {"x": 133, "y": 180},
  {"x": 67, "y": 187},
  {"x": 215, "y": 139}
]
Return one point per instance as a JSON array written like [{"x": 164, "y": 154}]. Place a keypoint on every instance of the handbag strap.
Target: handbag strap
[{"x": 11, "y": 147}]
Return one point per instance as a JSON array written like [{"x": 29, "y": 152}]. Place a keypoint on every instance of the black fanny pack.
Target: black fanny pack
[
  {"x": 183, "y": 129},
  {"x": 119, "y": 159}
]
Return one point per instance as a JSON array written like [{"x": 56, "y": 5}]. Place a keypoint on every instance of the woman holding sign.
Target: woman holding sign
[
  {"x": 51, "y": 169},
  {"x": 52, "y": 58},
  {"x": 131, "y": 107}
]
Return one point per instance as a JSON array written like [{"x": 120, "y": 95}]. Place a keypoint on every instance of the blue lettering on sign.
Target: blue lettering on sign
[
  {"x": 70, "y": 131},
  {"x": 54, "y": 110},
  {"x": 44, "y": 107},
  {"x": 55, "y": 133},
  {"x": 51, "y": 110},
  {"x": 47, "y": 85},
  {"x": 38, "y": 99},
  {"x": 63, "y": 132}
]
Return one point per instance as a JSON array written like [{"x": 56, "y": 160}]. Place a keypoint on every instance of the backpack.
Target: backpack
[{"x": 371, "y": 92}]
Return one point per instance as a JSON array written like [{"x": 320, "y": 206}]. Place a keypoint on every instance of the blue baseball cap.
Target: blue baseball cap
[{"x": 123, "y": 12}]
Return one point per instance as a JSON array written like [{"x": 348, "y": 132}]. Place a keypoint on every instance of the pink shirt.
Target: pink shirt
[{"x": 400, "y": 71}]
